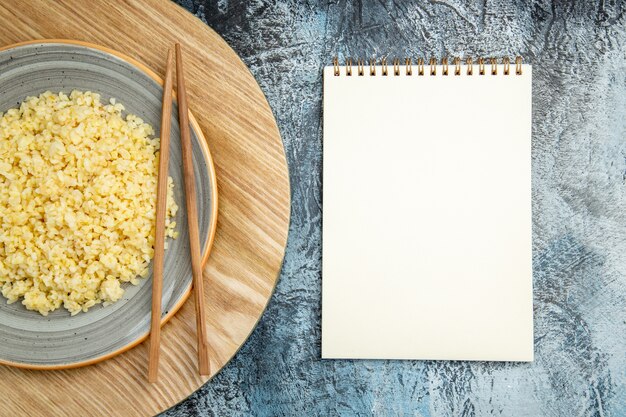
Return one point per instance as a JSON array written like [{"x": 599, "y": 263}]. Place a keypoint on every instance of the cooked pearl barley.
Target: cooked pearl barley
[{"x": 77, "y": 201}]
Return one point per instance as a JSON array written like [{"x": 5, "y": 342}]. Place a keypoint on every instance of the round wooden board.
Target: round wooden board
[{"x": 254, "y": 206}]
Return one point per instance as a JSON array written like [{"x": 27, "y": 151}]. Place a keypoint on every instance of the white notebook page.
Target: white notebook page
[{"x": 427, "y": 216}]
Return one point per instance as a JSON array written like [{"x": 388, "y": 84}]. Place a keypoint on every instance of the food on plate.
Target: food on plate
[{"x": 77, "y": 201}]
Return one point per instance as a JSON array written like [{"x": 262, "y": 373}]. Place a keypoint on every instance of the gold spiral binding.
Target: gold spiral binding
[
  {"x": 420, "y": 66},
  {"x": 506, "y": 62},
  {"x": 408, "y": 62},
  {"x": 396, "y": 66},
  {"x": 518, "y": 65},
  {"x": 457, "y": 66}
]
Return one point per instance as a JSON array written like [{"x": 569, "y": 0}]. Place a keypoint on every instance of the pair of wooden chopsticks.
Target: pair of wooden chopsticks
[{"x": 192, "y": 219}]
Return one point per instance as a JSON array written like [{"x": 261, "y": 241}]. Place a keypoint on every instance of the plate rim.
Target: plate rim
[{"x": 214, "y": 202}]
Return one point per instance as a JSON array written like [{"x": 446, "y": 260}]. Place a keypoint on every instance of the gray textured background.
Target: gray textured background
[{"x": 579, "y": 217}]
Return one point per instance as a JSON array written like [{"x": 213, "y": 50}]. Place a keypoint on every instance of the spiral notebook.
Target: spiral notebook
[{"x": 427, "y": 211}]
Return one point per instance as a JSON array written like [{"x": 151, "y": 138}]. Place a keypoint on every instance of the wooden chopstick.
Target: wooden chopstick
[
  {"x": 161, "y": 210},
  {"x": 192, "y": 215}
]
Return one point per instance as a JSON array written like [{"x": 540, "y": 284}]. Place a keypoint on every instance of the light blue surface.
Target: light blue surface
[{"x": 579, "y": 217}]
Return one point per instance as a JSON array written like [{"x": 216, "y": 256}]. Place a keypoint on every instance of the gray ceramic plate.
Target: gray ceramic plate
[{"x": 30, "y": 340}]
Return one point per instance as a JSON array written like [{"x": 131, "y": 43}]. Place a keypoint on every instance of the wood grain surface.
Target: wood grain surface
[{"x": 253, "y": 207}]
